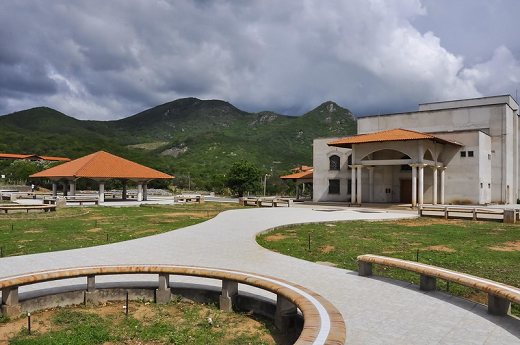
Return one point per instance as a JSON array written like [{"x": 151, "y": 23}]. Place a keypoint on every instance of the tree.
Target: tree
[{"x": 243, "y": 176}]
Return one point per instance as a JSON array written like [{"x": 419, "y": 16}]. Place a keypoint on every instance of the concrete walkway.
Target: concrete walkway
[{"x": 376, "y": 310}]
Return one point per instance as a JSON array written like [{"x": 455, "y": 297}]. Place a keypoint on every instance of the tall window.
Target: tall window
[
  {"x": 334, "y": 162},
  {"x": 333, "y": 186}
]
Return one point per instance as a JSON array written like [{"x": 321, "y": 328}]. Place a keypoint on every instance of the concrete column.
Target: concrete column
[
  {"x": 358, "y": 185},
  {"x": 163, "y": 293},
  {"x": 414, "y": 184},
  {"x": 421, "y": 184},
  {"x": 10, "y": 304},
  {"x": 229, "y": 295},
  {"x": 442, "y": 169},
  {"x": 139, "y": 191},
  {"x": 370, "y": 184},
  {"x": 498, "y": 306},
  {"x": 364, "y": 268},
  {"x": 91, "y": 295},
  {"x": 297, "y": 191},
  {"x": 65, "y": 188},
  {"x": 435, "y": 191},
  {"x": 101, "y": 192},
  {"x": 145, "y": 191},
  {"x": 353, "y": 185},
  {"x": 285, "y": 314},
  {"x": 510, "y": 216},
  {"x": 125, "y": 182},
  {"x": 428, "y": 283},
  {"x": 72, "y": 188},
  {"x": 54, "y": 188}
]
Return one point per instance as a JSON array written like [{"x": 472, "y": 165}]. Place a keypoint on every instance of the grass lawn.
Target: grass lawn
[
  {"x": 485, "y": 249},
  {"x": 147, "y": 323},
  {"x": 78, "y": 227}
]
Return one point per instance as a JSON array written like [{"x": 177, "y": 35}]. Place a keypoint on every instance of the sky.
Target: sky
[{"x": 109, "y": 59}]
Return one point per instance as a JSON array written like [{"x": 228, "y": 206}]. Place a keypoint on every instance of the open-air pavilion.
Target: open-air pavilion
[
  {"x": 101, "y": 167},
  {"x": 302, "y": 177}
]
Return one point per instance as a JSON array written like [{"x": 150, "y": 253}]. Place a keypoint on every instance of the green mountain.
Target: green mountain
[{"x": 185, "y": 137}]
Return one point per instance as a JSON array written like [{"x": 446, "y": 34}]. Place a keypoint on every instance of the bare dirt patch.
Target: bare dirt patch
[
  {"x": 327, "y": 249},
  {"x": 146, "y": 231},
  {"x": 193, "y": 214},
  {"x": 439, "y": 248},
  {"x": 433, "y": 221},
  {"x": 94, "y": 230},
  {"x": 508, "y": 247},
  {"x": 34, "y": 231},
  {"x": 23, "y": 241},
  {"x": 277, "y": 237}
]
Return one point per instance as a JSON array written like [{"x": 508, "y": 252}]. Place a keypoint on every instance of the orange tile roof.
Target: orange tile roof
[
  {"x": 103, "y": 165},
  {"x": 301, "y": 175},
  {"x": 397, "y": 134},
  {"x": 32, "y": 157}
]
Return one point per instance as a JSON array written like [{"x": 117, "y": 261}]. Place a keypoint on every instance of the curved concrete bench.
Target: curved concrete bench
[
  {"x": 500, "y": 295},
  {"x": 323, "y": 323}
]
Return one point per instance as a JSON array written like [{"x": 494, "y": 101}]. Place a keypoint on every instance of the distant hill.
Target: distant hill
[{"x": 187, "y": 136}]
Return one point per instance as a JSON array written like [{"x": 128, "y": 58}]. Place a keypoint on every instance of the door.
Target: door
[{"x": 406, "y": 192}]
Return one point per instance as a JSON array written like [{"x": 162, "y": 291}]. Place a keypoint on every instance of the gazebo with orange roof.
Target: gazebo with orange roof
[
  {"x": 102, "y": 166},
  {"x": 302, "y": 175}
]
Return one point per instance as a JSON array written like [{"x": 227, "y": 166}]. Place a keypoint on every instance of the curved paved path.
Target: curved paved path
[{"x": 376, "y": 310}]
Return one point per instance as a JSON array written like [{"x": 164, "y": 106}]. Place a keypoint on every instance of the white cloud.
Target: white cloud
[
  {"x": 105, "y": 60},
  {"x": 500, "y": 75}
]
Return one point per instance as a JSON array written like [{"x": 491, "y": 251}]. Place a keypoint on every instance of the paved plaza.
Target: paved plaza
[{"x": 376, "y": 310}]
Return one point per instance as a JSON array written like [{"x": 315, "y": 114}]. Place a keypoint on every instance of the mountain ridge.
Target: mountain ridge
[{"x": 188, "y": 136}]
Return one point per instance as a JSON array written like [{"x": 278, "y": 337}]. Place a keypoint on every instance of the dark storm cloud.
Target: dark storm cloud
[{"x": 109, "y": 59}]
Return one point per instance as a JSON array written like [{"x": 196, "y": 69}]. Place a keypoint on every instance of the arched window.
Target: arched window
[{"x": 334, "y": 162}]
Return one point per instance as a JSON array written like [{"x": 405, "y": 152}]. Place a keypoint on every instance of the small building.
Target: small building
[{"x": 452, "y": 152}]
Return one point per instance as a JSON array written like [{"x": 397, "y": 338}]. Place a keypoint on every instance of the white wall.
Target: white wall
[{"x": 322, "y": 174}]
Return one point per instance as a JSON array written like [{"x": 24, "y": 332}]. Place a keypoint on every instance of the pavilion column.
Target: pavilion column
[
  {"x": 124, "y": 189},
  {"x": 139, "y": 191},
  {"x": 54, "y": 188},
  {"x": 370, "y": 184},
  {"x": 145, "y": 191},
  {"x": 101, "y": 192},
  {"x": 65, "y": 188},
  {"x": 435, "y": 188},
  {"x": 72, "y": 188},
  {"x": 353, "y": 184},
  {"x": 414, "y": 184},
  {"x": 358, "y": 184},
  {"x": 442, "y": 169},
  {"x": 297, "y": 191},
  {"x": 421, "y": 183}
]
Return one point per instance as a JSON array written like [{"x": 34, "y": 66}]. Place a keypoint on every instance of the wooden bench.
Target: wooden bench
[
  {"x": 500, "y": 295},
  {"x": 189, "y": 198},
  {"x": 475, "y": 213},
  {"x": 322, "y": 322},
  {"x": 26, "y": 208}
]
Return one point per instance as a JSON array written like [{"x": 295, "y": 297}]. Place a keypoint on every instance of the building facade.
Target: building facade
[{"x": 453, "y": 152}]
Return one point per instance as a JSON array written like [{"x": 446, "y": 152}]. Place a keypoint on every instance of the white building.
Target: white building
[{"x": 453, "y": 152}]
